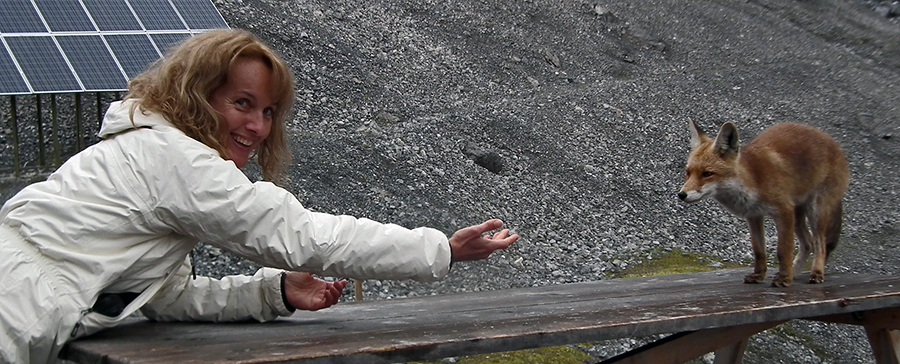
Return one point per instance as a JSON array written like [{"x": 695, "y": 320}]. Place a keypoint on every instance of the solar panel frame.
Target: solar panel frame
[{"x": 133, "y": 34}]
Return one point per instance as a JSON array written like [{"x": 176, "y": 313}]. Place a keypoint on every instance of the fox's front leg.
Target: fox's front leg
[
  {"x": 758, "y": 242},
  {"x": 784, "y": 223}
]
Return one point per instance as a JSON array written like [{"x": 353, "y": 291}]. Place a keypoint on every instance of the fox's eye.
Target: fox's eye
[{"x": 706, "y": 174}]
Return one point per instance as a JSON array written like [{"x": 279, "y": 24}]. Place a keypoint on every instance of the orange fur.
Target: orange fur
[{"x": 792, "y": 172}]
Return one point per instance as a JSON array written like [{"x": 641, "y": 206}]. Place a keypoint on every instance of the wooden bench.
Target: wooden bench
[{"x": 706, "y": 312}]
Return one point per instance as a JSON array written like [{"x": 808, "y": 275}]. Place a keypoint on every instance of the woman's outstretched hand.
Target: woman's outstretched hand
[
  {"x": 471, "y": 244},
  {"x": 305, "y": 292}
]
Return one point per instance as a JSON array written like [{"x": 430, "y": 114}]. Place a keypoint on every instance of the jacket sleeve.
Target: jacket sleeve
[
  {"x": 208, "y": 198},
  {"x": 232, "y": 298}
]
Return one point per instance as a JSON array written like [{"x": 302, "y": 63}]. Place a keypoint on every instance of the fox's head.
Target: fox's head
[{"x": 711, "y": 162}]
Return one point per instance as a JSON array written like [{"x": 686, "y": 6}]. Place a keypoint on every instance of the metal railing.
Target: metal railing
[{"x": 37, "y": 137}]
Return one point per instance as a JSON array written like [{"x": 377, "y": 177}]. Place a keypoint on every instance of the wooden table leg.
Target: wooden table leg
[
  {"x": 357, "y": 285},
  {"x": 682, "y": 347},
  {"x": 885, "y": 345},
  {"x": 732, "y": 354}
]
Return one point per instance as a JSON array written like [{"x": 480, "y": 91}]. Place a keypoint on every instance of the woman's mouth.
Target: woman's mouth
[{"x": 242, "y": 141}]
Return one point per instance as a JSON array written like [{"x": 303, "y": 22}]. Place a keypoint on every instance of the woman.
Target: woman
[{"x": 110, "y": 231}]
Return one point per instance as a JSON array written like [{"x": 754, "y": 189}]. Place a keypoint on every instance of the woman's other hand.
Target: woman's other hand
[
  {"x": 471, "y": 244},
  {"x": 305, "y": 292}
]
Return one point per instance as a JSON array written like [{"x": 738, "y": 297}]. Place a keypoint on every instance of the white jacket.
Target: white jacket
[{"x": 122, "y": 216}]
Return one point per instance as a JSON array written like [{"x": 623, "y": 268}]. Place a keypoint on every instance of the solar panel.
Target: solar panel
[
  {"x": 157, "y": 15},
  {"x": 65, "y": 15},
  {"x": 92, "y": 62},
  {"x": 91, "y": 45},
  {"x": 20, "y": 17},
  {"x": 199, "y": 14},
  {"x": 134, "y": 52},
  {"x": 112, "y": 15},
  {"x": 43, "y": 64},
  {"x": 165, "y": 41},
  {"x": 11, "y": 81}
]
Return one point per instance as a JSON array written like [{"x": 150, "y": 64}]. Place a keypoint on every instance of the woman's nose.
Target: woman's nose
[{"x": 258, "y": 123}]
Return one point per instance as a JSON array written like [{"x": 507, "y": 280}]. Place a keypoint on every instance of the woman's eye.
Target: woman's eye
[
  {"x": 269, "y": 111},
  {"x": 241, "y": 102}
]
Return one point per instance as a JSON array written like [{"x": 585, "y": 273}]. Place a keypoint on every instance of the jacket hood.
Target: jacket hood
[{"x": 118, "y": 118}]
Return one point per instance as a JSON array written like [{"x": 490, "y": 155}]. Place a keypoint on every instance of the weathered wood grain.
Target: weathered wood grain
[{"x": 461, "y": 324}]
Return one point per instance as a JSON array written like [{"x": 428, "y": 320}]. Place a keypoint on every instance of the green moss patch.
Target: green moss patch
[{"x": 674, "y": 262}]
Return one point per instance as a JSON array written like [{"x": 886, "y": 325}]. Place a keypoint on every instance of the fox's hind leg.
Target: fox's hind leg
[
  {"x": 758, "y": 241},
  {"x": 803, "y": 237},
  {"x": 817, "y": 273},
  {"x": 827, "y": 229}
]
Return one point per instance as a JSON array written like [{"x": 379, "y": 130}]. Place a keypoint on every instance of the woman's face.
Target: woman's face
[{"x": 247, "y": 106}]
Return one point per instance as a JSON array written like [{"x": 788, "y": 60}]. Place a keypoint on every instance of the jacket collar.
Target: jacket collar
[{"x": 119, "y": 118}]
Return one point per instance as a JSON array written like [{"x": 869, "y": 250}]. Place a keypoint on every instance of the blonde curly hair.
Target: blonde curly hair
[{"x": 179, "y": 85}]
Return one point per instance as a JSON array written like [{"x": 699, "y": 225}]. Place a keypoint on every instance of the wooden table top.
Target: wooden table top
[{"x": 441, "y": 326}]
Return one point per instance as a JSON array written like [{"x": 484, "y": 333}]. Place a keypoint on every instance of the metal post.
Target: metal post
[
  {"x": 54, "y": 132},
  {"x": 79, "y": 129},
  {"x": 99, "y": 112},
  {"x": 15, "y": 132},
  {"x": 40, "y": 130}
]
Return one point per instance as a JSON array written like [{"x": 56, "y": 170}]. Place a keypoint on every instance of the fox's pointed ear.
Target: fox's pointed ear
[
  {"x": 696, "y": 134},
  {"x": 727, "y": 142}
]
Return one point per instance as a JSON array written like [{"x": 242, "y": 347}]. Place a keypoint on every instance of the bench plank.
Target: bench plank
[{"x": 469, "y": 323}]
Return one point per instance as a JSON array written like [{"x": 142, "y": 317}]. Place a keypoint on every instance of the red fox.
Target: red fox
[{"x": 791, "y": 172}]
